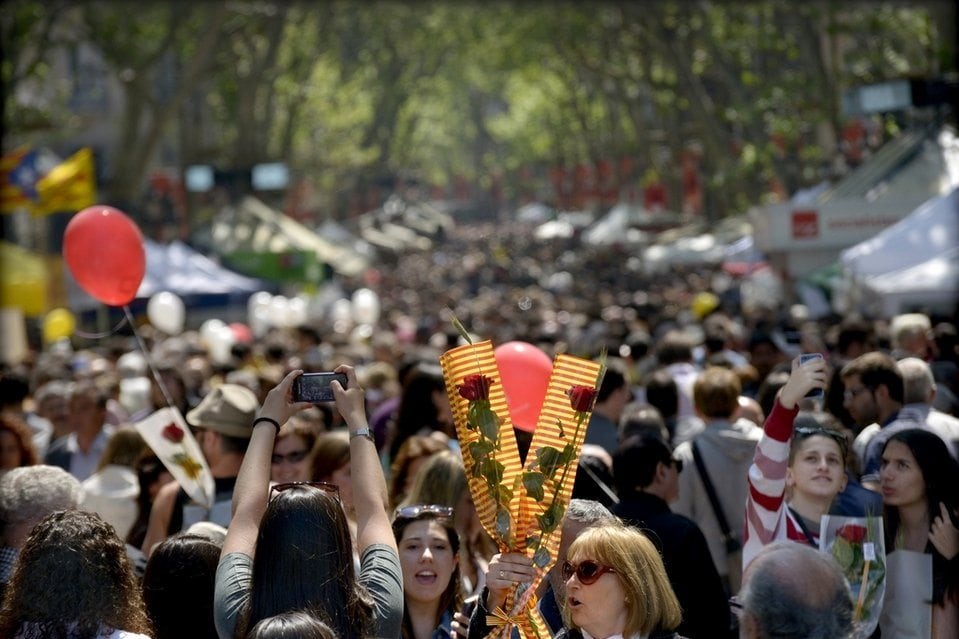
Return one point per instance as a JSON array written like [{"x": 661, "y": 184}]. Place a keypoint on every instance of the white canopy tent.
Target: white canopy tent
[{"x": 914, "y": 263}]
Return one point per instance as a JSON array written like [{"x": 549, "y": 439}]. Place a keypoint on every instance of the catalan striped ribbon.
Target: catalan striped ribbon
[{"x": 540, "y": 491}]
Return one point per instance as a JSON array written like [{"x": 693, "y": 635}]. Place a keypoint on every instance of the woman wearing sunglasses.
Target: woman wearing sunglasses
[
  {"x": 291, "y": 452},
  {"x": 616, "y": 586},
  {"x": 808, "y": 460},
  {"x": 288, "y": 548},
  {"x": 428, "y": 546}
]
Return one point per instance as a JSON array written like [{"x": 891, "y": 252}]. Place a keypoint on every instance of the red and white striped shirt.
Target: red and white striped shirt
[{"x": 768, "y": 519}]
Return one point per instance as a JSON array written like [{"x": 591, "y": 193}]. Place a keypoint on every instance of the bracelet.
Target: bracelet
[
  {"x": 268, "y": 420},
  {"x": 363, "y": 432}
]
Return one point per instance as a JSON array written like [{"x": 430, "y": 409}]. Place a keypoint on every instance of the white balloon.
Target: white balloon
[
  {"x": 166, "y": 312},
  {"x": 219, "y": 343},
  {"x": 209, "y": 329},
  {"x": 279, "y": 311},
  {"x": 262, "y": 298},
  {"x": 366, "y": 306},
  {"x": 342, "y": 313},
  {"x": 260, "y": 321},
  {"x": 297, "y": 311}
]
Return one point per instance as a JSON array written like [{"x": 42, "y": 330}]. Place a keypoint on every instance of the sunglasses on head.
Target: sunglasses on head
[
  {"x": 587, "y": 571},
  {"x": 808, "y": 431},
  {"x": 321, "y": 485},
  {"x": 417, "y": 510}
]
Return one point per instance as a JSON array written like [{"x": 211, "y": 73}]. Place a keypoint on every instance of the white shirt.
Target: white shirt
[{"x": 83, "y": 464}]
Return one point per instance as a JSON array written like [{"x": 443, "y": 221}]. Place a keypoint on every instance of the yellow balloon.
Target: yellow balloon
[
  {"x": 703, "y": 304},
  {"x": 57, "y": 324}
]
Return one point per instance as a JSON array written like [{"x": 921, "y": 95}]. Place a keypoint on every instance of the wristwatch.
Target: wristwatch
[{"x": 363, "y": 432}]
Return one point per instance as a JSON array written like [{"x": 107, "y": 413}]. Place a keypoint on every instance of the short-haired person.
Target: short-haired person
[
  {"x": 613, "y": 395},
  {"x": 222, "y": 425},
  {"x": 288, "y": 547},
  {"x": 873, "y": 397},
  {"x": 647, "y": 479},
  {"x": 791, "y": 591},
  {"x": 79, "y": 452},
  {"x": 726, "y": 448},
  {"x": 27, "y": 495}
]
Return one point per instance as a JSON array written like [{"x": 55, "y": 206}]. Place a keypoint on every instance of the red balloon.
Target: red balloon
[
  {"x": 524, "y": 370},
  {"x": 241, "y": 332},
  {"x": 104, "y": 250}
]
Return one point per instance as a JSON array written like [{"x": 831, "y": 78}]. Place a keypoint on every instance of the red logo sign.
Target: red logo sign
[{"x": 805, "y": 224}]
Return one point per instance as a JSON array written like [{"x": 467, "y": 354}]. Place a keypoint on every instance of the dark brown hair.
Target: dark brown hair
[{"x": 73, "y": 578}]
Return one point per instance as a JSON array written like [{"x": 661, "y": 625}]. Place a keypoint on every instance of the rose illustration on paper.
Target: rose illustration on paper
[{"x": 172, "y": 433}]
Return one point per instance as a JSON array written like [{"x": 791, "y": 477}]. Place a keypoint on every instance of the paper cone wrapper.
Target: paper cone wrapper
[
  {"x": 167, "y": 435},
  {"x": 560, "y": 430}
]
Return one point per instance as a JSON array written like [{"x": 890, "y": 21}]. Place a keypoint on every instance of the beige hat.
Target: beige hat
[{"x": 228, "y": 409}]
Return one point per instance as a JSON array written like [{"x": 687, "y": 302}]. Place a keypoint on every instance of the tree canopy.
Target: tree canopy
[{"x": 486, "y": 92}]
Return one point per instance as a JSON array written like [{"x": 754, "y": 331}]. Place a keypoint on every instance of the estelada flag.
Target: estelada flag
[
  {"x": 69, "y": 186},
  {"x": 18, "y": 179}
]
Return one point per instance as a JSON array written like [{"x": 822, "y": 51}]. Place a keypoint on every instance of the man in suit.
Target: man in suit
[{"x": 79, "y": 452}]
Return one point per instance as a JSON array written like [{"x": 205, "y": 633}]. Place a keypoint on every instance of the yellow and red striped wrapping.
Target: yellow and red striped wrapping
[
  {"x": 457, "y": 364},
  {"x": 556, "y": 427}
]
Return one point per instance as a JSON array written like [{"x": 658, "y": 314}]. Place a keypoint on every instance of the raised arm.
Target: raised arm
[
  {"x": 767, "y": 474},
  {"x": 251, "y": 494},
  {"x": 369, "y": 485}
]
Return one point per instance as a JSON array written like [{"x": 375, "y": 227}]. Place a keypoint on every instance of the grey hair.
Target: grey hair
[
  {"x": 917, "y": 380},
  {"x": 777, "y": 594},
  {"x": 30, "y": 493},
  {"x": 588, "y": 511}
]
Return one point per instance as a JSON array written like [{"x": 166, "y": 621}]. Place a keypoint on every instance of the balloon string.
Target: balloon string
[
  {"x": 146, "y": 356},
  {"x": 102, "y": 335}
]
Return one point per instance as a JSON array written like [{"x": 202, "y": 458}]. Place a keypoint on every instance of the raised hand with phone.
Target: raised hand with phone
[{"x": 809, "y": 376}]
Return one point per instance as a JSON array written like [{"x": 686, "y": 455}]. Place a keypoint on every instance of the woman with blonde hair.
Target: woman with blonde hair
[
  {"x": 616, "y": 584},
  {"x": 442, "y": 481}
]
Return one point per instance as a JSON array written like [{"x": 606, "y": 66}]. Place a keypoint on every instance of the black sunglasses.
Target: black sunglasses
[
  {"x": 678, "y": 463},
  {"x": 321, "y": 485},
  {"x": 417, "y": 510},
  {"x": 587, "y": 571}
]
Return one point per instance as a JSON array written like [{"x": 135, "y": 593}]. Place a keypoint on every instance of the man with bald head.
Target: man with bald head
[{"x": 792, "y": 591}]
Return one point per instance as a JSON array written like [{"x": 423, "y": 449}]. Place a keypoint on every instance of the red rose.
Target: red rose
[
  {"x": 173, "y": 433},
  {"x": 581, "y": 398},
  {"x": 852, "y": 533},
  {"x": 475, "y": 387}
]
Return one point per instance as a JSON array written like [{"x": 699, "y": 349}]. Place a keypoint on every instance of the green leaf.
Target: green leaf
[
  {"x": 481, "y": 448},
  {"x": 482, "y": 416},
  {"x": 505, "y": 494},
  {"x": 550, "y": 519},
  {"x": 533, "y": 481},
  {"x": 492, "y": 471},
  {"x": 549, "y": 460},
  {"x": 533, "y": 541}
]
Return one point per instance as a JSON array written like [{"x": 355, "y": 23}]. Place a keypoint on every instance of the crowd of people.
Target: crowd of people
[{"x": 712, "y": 455}]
